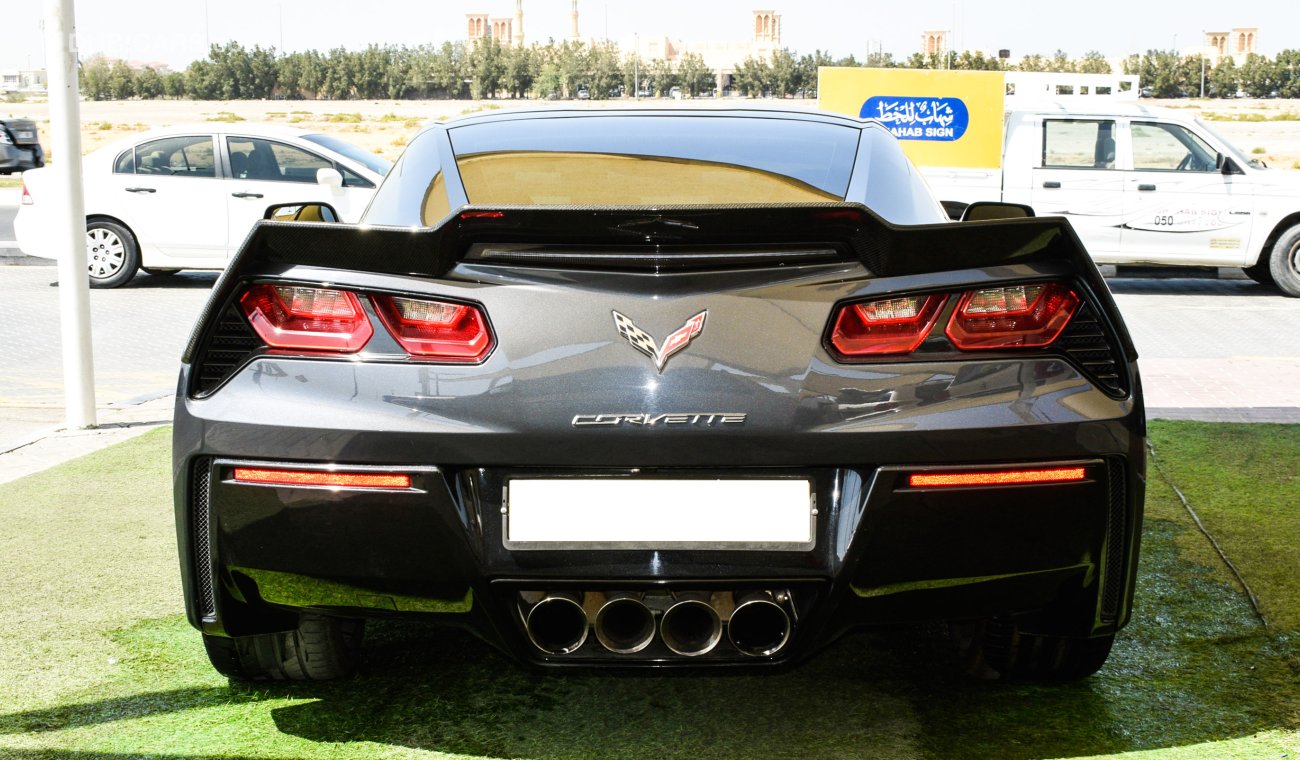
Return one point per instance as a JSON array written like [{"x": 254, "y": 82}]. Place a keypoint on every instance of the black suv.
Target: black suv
[{"x": 20, "y": 149}]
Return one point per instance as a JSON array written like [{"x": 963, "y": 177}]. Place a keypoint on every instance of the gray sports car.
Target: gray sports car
[{"x": 659, "y": 388}]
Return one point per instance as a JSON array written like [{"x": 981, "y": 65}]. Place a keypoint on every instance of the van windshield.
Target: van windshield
[{"x": 1233, "y": 150}]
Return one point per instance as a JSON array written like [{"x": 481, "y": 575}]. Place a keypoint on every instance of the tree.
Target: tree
[
  {"x": 174, "y": 85},
  {"x": 1033, "y": 62},
  {"x": 550, "y": 82},
  {"x": 1061, "y": 63},
  {"x": 753, "y": 77},
  {"x": 519, "y": 72},
  {"x": 634, "y": 74},
  {"x": 1258, "y": 76},
  {"x": 94, "y": 78},
  {"x": 148, "y": 85},
  {"x": 1288, "y": 73},
  {"x": 121, "y": 81},
  {"x": 662, "y": 77},
  {"x": 1162, "y": 71},
  {"x": 1223, "y": 79},
  {"x": 262, "y": 72},
  {"x": 696, "y": 77},
  {"x": 880, "y": 60},
  {"x": 1093, "y": 62}
]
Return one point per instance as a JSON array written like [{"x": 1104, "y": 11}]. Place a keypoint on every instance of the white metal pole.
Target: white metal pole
[{"x": 70, "y": 220}]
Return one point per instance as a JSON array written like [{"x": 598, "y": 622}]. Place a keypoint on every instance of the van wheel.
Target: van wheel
[
  {"x": 320, "y": 649},
  {"x": 997, "y": 649},
  {"x": 1284, "y": 264},
  {"x": 112, "y": 255}
]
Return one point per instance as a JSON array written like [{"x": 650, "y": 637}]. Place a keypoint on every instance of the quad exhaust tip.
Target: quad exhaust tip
[
  {"x": 625, "y": 625},
  {"x": 558, "y": 623},
  {"x": 759, "y": 627},
  {"x": 757, "y": 623},
  {"x": 691, "y": 627}
]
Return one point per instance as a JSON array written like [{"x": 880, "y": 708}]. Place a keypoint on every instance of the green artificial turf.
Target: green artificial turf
[{"x": 96, "y": 659}]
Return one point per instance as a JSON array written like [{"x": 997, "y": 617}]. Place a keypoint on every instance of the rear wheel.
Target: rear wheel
[
  {"x": 1284, "y": 263},
  {"x": 112, "y": 255},
  {"x": 320, "y": 649},
  {"x": 997, "y": 649}
]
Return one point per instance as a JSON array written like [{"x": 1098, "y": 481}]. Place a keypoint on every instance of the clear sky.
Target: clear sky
[{"x": 175, "y": 31}]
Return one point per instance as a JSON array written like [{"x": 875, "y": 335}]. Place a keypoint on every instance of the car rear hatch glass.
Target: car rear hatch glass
[
  {"x": 653, "y": 160},
  {"x": 22, "y": 131}
]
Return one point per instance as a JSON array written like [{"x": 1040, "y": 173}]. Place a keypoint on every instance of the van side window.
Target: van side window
[
  {"x": 1169, "y": 147},
  {"x": 1078, "y": 144}
]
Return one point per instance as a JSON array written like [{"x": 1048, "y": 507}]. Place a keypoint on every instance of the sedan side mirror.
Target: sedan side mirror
[
  {"x": 301, "y": 212},
  {"x": 329, "y": 177},
  {"x": 984, "y": 211}
]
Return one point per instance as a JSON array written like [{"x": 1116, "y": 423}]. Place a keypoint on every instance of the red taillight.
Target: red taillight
[
  {"x": 318, "y": 319},
  {"x": 886, "y": 326},
  {"x": 317, "y": 478},
  {"x": 1014, "y": 316},
  {"x": 995, "y": 477},
  {"x": 450, "y": 332},
  {"x": 27, "y": 197}
]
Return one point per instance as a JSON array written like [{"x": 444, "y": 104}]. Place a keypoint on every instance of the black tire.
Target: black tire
[
  {"x": 1261, "y": 273},
  {"x": 160, "y": 272},
  {"x": 1284, "y": 263},
  {"x": 996, "y": 649},
  {"x": 319, "y": 649},
  {"x": 112, "y": 255}
]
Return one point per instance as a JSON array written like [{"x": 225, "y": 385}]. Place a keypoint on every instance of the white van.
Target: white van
[{"x": 1143, "y": 185}]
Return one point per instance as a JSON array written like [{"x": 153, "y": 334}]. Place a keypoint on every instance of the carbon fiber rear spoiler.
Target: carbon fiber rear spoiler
[{"x": 885, "y": 249}]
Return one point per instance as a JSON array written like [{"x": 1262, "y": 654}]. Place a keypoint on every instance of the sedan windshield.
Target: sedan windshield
[{"x": 362, "y": 156}]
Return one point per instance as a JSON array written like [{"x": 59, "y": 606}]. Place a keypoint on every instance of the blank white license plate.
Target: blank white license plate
[{"x": 624, "y": 513}]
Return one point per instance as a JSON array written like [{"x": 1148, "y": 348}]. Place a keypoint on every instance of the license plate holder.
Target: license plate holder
[{"x": 752, "y": 514}]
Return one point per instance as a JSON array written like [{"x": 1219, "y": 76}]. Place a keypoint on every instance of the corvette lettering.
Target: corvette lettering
[{"x": 701, "y": 419}]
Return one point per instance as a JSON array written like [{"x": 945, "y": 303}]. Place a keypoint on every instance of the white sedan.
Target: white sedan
[{"x": 186, "y": 197}]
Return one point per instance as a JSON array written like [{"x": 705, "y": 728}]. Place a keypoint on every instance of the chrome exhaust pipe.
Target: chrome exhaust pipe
[
  {"x": 759, "y": 627},
  {"x": 691, "y": 627},
  {"x": 558, "y": 623},
  {"x": 624, "y": 624}
]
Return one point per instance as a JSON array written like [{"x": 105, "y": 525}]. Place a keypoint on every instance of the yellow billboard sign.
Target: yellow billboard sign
[{"x": 941, "y": 118}]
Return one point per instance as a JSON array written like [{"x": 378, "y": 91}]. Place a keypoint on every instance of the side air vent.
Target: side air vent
[
  {"x": 1086, "y": 341},
  {"x": 201, "y": 532},
  {"x": 1113, "y": 590},
  {"x": 230, "y": 344}
]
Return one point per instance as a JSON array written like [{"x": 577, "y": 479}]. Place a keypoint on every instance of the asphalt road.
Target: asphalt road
[{"x": 9, "y": 199}]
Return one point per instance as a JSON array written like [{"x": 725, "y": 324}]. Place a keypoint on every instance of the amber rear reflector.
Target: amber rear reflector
[
  {"x": 317, "y": 478},
  {"x": 995, "y": 477}
]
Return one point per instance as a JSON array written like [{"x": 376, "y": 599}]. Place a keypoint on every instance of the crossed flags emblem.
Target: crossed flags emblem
[{"x": 645, "y": 342}]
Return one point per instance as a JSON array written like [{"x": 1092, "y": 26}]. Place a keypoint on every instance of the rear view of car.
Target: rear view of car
[
  {"x": 659, "y": 389},
  {"x": 20, "y": 146}
]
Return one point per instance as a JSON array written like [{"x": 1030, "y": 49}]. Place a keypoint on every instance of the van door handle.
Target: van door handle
[
  {"x": 246, "y": 195},
  {"x": 141, "y": 190},
  {"x": 1146, "y": 188},
  {"x": 1051, "y": 184}
]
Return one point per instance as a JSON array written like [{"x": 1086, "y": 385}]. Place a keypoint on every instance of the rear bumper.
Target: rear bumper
[
  {"x": 18, "y": 158},
  {"x": 1060, "y": 556}
]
